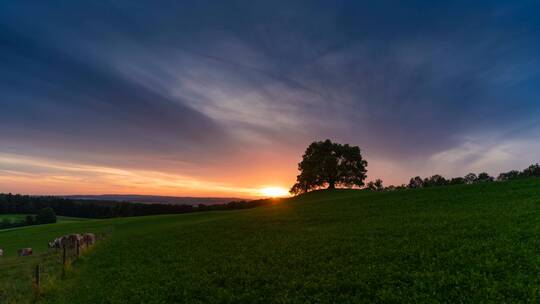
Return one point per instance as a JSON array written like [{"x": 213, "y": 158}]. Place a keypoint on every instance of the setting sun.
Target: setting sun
[{"x": 274, "y": 191}]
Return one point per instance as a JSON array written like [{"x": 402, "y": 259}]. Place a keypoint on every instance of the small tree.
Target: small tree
[
  {"x": 328, "y": 164},
  {"x": 376, "y": 185},
  {"x": 46, "y": 216},
  {"x": 532, "y": 171},
  {"x": 435, "y": 180},
  {"x": 508, "y": 175},
  {"x": 470, "y": 178},
  {"x": 416, "y": 182},
  {"x": 484, "y": 177},
  {"x": 390, "y": 188},
  {"x": 457, "y": 181}
]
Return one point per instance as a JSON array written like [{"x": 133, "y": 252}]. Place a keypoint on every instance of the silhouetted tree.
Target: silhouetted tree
[
  {"x": 508, "y": 175},
  {"x": 328, "y": 164},
  {"x": 376, "y": 185},
  {"x": 401, "y": 187},
  {"x": 470, "y": 178},
  {"x": 416, "y": 182},
  {"x": 457, "y": 181},
  {"x": 435, "y": 180},
  {"x": 531, "y": 171},
  {"x": 484, "y": 177}
]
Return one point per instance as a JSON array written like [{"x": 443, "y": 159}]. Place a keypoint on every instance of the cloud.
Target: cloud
[
  {"x": 201, "y": 89},
  {"x": 495, "y": 154},
  {"x": 70, "y": 178}
]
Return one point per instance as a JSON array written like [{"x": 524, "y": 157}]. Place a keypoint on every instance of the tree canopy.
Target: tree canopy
[
  {"x": 46, "y": 216},
  {"x": 376, "y": 185},
  {"x": 331, "y": 165}
]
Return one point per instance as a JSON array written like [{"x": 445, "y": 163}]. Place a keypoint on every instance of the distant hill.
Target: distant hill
[{"x": 156, "y": 199}]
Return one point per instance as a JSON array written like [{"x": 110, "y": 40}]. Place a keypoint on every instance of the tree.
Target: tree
[
  {"x": 435, "y": 180},
  {"x": 457, "y": 181},
  {"x": 508, "y": 175},
  {"x": 46, "y": 216},
  {"x": 376, "y": 185},
  {"x": 401, "y": 187},
  {"x": 331, "y": 165},
  {"x": 484, "y": 177},
  {"x": 391, "y": 188},
  {"x": 416, "y": 182},
  {"x": 531, "y": 171},
  {"x": 470, "y": 178}
]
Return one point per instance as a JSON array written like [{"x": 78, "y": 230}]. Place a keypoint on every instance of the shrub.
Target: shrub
[{"x": 46, "y": 216}]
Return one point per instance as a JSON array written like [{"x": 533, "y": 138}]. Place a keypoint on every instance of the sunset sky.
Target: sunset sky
[{"x": 221, "y": 98}]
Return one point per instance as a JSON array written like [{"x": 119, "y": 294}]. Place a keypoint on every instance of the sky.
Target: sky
[{"x": 221, "y": 98}]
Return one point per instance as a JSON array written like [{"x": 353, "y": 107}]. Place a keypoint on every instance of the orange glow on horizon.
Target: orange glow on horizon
[
  {"x": 274, "y": 192},
  {"x": 40, "y": 176}
]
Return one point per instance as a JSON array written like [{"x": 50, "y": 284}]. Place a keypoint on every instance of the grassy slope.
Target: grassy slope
[
  {"x": 38, "y": 236},
  {"x": 451, "y": 244}
]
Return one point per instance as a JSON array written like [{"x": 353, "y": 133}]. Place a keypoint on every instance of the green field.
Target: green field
[
  {"x": 22, "y": 217},
  {"x": 454, "y": 244},
  {"x": 12, "y": 217}
]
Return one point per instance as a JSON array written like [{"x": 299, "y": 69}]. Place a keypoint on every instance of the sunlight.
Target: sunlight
[{"x": 274, "y": 191}]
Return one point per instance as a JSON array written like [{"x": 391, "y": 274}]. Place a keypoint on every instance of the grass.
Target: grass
[
  {"x": 12, "y": 217},
  {"x": 21, "y": 217},
  {"x": 64, "y": 219},
  {"x": 467, "y": 244}
]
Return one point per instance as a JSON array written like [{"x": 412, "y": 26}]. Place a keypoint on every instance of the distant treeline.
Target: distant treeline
[
  {"x": 471, "y": 178},
  {"x": 24, "y": 204}
]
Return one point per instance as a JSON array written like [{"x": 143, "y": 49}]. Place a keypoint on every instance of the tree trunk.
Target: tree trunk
[{"x": 331, "y": 185}]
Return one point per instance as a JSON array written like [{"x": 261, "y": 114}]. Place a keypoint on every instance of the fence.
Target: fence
[{"x": 22, "y": 277}]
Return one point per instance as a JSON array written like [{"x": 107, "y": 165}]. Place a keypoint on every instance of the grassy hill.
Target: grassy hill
[{"x": 477, "y": 243}]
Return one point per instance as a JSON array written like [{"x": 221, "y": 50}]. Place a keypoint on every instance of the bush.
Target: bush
[
  {"x": 30, "y": 220},
  {"x": 46, "y": 216}
]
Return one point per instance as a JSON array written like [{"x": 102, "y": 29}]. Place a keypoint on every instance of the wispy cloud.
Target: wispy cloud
[
  {"x": 190, "y": 93},
  {"x": 70, "y": 178}
]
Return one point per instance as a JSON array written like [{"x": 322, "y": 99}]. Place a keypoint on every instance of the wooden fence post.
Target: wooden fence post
[
  {"x": 64, "y": 260},
  {"x": 37, "y": 280}
]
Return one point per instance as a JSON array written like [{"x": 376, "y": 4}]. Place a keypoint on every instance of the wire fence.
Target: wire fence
[{"x": 30, "y": 274}]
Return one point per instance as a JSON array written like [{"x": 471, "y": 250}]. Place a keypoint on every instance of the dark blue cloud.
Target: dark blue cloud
[{"x": 184, "y": 80}]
